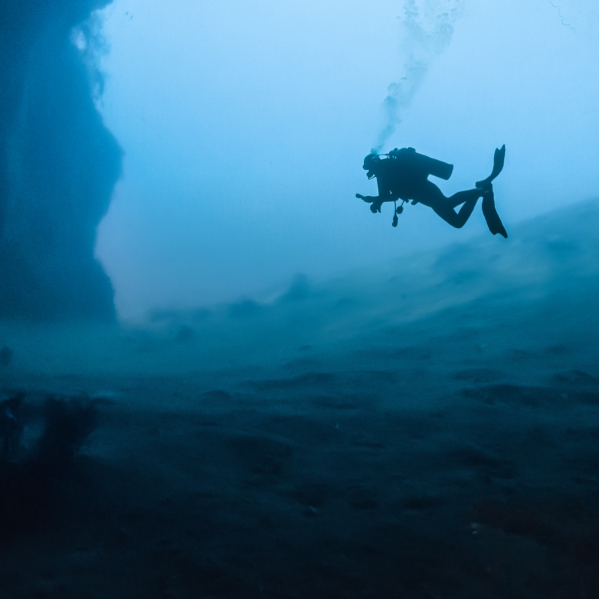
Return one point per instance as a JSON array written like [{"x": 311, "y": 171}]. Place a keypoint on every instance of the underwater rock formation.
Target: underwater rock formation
[{"x": 58, "y": 166}]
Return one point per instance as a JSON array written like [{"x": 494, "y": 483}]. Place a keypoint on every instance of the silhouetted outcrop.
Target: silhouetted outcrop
[{"x": 58, "y": 166}]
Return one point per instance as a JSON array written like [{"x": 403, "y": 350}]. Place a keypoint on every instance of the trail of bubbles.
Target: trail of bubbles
[
  {"x": 559, "y": 14},
  {"x": 426, "y": 30}
]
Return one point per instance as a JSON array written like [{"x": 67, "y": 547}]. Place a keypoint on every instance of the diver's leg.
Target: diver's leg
[
  {"x": 463, "y": 196},
  {"x": 468, "y": 200},
  {"x": 449, "y": 215},
  {"x": 466, "y": 210},
  {"x": 444, "y": 207}
]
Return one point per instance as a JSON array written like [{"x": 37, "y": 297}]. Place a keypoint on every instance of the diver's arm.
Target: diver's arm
[
  {"x": 368, "y": 199},
  {"x": 383, "y": 194}
]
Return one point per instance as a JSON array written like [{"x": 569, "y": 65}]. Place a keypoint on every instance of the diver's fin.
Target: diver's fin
[
  {"x": 498, "y": 161},
  {"x": 493, "y": 221}
]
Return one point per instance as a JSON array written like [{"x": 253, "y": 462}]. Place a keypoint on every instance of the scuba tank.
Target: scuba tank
[{"x": 421, "y": 164}]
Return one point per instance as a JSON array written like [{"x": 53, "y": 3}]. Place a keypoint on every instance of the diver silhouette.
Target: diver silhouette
[{"x": 403, "y": 175}]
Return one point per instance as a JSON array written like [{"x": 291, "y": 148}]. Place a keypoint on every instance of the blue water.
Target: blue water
[{"x": 256, "y": 420}]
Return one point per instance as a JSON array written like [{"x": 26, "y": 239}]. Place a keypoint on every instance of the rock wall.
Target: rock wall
[{"x": 58, "y": 166}]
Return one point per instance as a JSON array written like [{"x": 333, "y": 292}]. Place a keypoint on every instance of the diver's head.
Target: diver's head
[{"x": 371, "y": 164}]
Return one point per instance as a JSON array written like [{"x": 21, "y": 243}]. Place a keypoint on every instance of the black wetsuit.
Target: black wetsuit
[
  {"x": 404, "y": 176},
  {"x": 399, "y": 179},
  {"x": 396, "y": 180}
]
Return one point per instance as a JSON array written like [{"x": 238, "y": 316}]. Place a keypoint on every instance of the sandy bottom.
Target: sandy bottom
[
  {"x": 430, "y": 433},
  {"x": 446, "y": 467}
]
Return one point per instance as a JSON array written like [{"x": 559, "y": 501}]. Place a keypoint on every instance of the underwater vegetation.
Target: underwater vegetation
[{"x": 38, "y": 445}]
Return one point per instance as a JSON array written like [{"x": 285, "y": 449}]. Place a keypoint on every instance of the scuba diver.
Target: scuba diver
[{"x": 403, "y": 175}]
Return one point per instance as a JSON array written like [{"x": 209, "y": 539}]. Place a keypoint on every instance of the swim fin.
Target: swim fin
[
  {"x": 498, "y": 161},
  {"x": 490, "y": 213}
]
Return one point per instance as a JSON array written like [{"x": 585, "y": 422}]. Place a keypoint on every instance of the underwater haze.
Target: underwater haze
[
  {"x": 225, "y": 376},
  {"x": 244, "y": 127}
]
